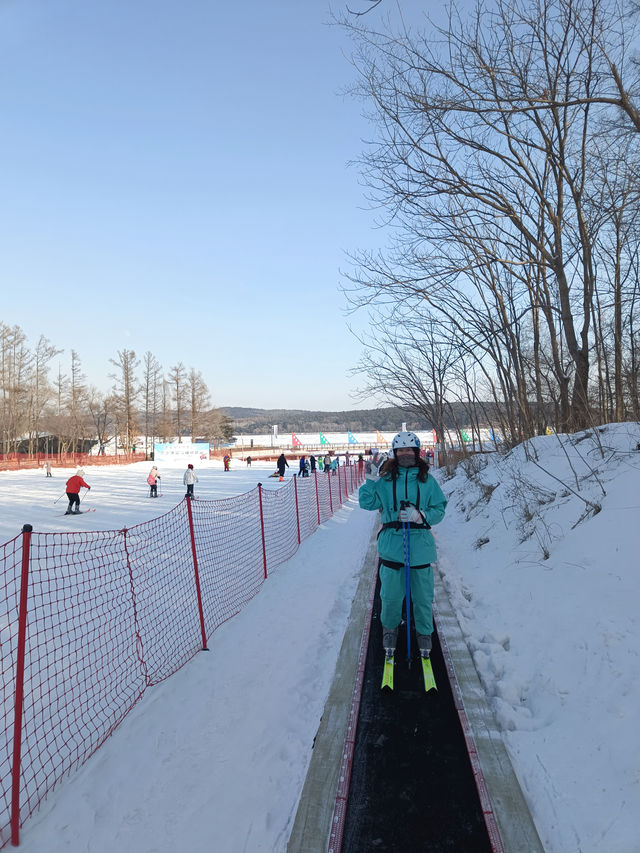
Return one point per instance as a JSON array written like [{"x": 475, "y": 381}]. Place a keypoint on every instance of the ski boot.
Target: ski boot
[
  {"x": 389, "y": 637},
  {"x": 424, "y": 644}
]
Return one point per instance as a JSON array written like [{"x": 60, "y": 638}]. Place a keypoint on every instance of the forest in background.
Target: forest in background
[{"x": 387, "y": 419}]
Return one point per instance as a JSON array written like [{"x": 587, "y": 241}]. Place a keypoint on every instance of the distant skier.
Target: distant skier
[
  {"x": 74, "y": 484},
  {"x": 248, "y": 462},
  {"x": 281, "y": 464},
  {"x": 226, "y": 460},
  {"x": 302, "y": 464},
  {"x": 152, "y": 479},
  {"x": 312, "y": 463},
  {"x": 327, "y": 463},
  {"x": 47, "y": 468},
  {"x": 189, "y": 480}
]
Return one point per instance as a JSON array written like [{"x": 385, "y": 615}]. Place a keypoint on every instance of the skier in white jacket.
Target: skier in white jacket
[{"x": 189, "y": 479}]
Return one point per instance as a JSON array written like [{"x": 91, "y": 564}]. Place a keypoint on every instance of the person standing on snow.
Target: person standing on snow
[
  {"x": 47, "y": 468},
  {"x": 280, "y": 465},
  {"x": 189, "y": 480},
  {"x": 312, "y": 463},
  {"x": 74, "y": 484},
  {"x": 152, "y": 479},
  {"x": 226, "y": 459},
  {"x": 404, "y": 477}
]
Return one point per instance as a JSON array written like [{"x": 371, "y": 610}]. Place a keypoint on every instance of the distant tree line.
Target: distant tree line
[
  {"x": 44, "y": 410},
  {"x": 457, "y": 416},
  {"x": 506, "y": 157}
]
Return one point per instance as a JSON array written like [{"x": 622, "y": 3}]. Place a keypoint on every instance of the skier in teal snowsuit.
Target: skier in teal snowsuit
[{"x": 405, "y": 477}]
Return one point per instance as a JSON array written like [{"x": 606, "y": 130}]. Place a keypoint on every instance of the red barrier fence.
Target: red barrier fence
[
  {"x": 20, "y": 461},
  {"x": 89, "y": 620}
]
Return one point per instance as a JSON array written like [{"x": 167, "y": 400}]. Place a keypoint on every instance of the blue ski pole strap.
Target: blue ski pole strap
[{"x": 406, "y": 538}]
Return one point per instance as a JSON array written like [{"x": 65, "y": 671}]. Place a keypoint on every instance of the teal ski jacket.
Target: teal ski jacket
[{"x": 427, "y": 497}]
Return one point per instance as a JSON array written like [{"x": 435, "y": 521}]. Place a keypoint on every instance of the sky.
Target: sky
[
  {"x": 546, "y": 597},
  {"x": 179, "y": 179}
]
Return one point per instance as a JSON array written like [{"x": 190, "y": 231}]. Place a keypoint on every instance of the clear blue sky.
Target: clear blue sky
[{"x": 175, "y": 178}]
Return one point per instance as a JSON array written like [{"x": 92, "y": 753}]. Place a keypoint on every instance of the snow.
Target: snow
[
  {"x": 555, "y": 638},
  {"x": 214, "y": 758}
]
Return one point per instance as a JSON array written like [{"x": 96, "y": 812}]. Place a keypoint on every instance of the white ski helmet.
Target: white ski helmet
[{"x": 405, "y": 439}]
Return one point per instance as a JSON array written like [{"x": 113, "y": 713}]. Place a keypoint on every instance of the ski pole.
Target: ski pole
[
  {"x": 60, "y": 498},
  {"x": 407, "y": 577}
]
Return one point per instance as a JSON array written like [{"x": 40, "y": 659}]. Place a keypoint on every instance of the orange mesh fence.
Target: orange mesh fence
[
  {"x": 89, "y": 620},
  {"x": 230, "y": 556},
  {"x": 280, "y": 527},
  {"x": 307, "y": 506},
  {"x": 159, "y": 562},
  {"x": 11, "y": 556},
  {"x": 324, "y": 488},
  {"x": 83, "y": 672}
]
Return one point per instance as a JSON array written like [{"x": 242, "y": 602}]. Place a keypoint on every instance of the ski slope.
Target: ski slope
[{"x": 214, "y": 758}]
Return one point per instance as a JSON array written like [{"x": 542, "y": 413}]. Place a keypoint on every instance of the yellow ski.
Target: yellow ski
[
  {"x": 387, "y": 674},
  {"x": 427, "y": 674}
]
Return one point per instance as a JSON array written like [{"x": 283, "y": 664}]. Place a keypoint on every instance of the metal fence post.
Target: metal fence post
[{"x": 19, "y": 691}]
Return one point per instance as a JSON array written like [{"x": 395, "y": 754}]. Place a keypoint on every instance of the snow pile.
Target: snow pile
[{"x": 539, "y": 554}]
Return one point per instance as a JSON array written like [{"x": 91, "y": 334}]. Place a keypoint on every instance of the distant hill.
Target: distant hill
[{"x": 252, "y": 421}]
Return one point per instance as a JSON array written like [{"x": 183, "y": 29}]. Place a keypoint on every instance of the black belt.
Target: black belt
[
  {"x": 391, "y": 564},
  {"x": 399, "y": 525}
]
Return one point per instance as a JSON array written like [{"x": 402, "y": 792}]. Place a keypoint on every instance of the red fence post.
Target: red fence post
[
  {"x": 315, "y": 475},
  {"x": 197, "y": 575},
  {"x": 339, "y": 487},
  {"x": 329, "y": 478},
  {"x": 295, "y": 488},
  {"x": 19, "y": 692},
  {"x": 264, "y": 547}
]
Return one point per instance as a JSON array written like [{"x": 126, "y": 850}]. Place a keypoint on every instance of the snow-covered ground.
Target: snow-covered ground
[{"x": 547, "y": 594}]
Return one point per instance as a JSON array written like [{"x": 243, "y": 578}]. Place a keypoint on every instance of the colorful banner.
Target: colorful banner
[
  {"x": 548, "y": 431},
  {"x": 352, "y": 438},
  {"x": 493, "y": 436},
  {"x": 465, "y": 435},
  {"x": 434, "y": 436},
  {"x": 323, "y": 440},
  {"x": 295, "y": 440},
  {"x": 380, "y": 438}
]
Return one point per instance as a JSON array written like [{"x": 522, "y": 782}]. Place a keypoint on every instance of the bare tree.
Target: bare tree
[
  {"x": 41, "y": 390},
  {"x": 199, "y": 400},
  {"x": 14, "y": 369},
  {"x": 489, "y": 182},
  {"x": 151, "y": 388},
  {"x": 101, "y": 409},
  {"x": 124, "y": 396},
  {"x": 178, "y": 381}
]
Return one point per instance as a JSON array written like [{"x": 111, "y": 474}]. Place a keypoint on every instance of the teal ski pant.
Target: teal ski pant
[{"x": 392, "y": 590}]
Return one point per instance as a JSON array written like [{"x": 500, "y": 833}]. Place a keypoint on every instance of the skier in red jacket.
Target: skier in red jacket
[{"x": 74, "y": 484}]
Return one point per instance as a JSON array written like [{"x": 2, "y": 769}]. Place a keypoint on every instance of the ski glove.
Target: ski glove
[
  {"x": 370, "y": 471},
  {"x": 410, "y": 514}
]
